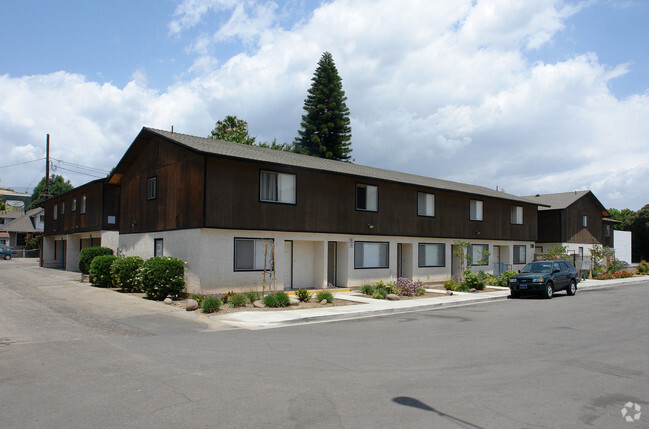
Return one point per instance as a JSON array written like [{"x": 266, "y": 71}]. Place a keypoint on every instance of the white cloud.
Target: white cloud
[{"x": 434, "y": 87}]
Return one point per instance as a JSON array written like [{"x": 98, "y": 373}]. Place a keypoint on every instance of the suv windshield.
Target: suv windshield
[{"x": 538, "y": 267}]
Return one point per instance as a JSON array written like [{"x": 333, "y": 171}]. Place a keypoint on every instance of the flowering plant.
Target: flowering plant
[
  {"x": 615, "y": 275},
  {"x": 407, "y": 287}
]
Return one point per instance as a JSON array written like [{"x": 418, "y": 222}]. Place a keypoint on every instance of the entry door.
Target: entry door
[
  {"x": 64, "y": 258},
  {"x": 288, "y": 265},
  {"x": 332, "y": 263}
]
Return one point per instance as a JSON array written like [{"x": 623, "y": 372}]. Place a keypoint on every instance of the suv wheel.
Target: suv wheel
[
  {"x": 7, "y": 257},
  {"x": 515, "y": 294},
  {"x": 572, "y": 288},
  {"x": 549, "y": 291}
]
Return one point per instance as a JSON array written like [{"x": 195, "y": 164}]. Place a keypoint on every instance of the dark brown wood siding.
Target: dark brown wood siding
[
  {"x": 179, "y": 198},
  {"x": 550, "y": 226},
  {"x": 101, "y": 200},
  {"x": 573, "y": 231},
  {"x": 325, "y": 203}
]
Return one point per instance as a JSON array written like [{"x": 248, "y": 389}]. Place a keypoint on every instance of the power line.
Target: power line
[{"x": 21, "y": 163}]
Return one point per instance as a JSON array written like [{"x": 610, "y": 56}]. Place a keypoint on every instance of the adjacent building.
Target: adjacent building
[{"x": 16, "y": 225}]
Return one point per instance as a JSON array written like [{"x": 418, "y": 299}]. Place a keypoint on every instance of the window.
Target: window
[
  {"x": 517, "y": 215},
  {"x": 479, "y": 254},
  {"x": 367, "y": 198},
  {"x": 607, "y": 230},
  {"x": 425, "y": 204},
  {"x": 253, "y": 254},
  {"x": 83, "y": 204},
  {"x": 581, "y": 253},
  {"x": 371, "y": 255},
  {"x": 151, "y": 188},
  {"x": 277, "y": 187},
  {"x": 584, "y": 221},
  {"x": 74, "y": 204},
  {"x": 432, "y": 255},
  {"x": 62, "y": 207},
  {"x": 111, "y": 220},
  {"x": 520, "y": 256},
  {"x": 41, "y": 218},
  {"x": 158, "y": 247},
  {"x": 475, "y": 210},
  {"x": 55, "y": 213}
]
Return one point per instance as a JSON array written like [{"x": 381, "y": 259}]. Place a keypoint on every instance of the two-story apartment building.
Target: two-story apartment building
[
  {"x": 232, "y": 211},
  {"x": 82, "y": 217}
]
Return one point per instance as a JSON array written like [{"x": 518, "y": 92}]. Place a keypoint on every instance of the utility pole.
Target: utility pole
[{"x": 47, "y": 168}]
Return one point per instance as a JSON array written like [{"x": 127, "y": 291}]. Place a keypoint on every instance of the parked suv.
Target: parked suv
[
  {"x": 6, "y": 252},
  {"x": 545, "y": 278}
]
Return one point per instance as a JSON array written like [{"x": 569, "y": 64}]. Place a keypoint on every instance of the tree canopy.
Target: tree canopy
[
  {"x": 638, "y": 224},
  {"x": 57, "y": 185},
  {"x": 232, "y": 129},
  {"x": 325, "y": 129}
]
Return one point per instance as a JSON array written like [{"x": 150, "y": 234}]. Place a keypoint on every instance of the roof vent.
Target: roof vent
[{"x": 537, "y": 195}]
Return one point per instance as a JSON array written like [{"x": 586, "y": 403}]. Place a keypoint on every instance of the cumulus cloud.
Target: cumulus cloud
[{"x": 438, "y": 88}]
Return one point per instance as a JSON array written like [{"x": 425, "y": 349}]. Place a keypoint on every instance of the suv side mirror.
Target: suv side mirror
[{"x": 555, "y": 271}]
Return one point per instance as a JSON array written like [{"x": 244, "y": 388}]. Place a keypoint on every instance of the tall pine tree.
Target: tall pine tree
[{"x": 325, "y": 129}]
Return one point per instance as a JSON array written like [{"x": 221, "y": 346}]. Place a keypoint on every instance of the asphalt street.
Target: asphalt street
[{"x": 75, "y": 356}]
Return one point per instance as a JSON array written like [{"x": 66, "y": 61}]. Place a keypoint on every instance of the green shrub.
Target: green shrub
[
  {"x": 238, "y": 300},
  {"x": 210, "y": 304},
  {"x": 643, "y": 268},
  {"x": 503, "y": 279},
  {"x": 87, "y": 255},
  {"x": 387, "y": 286},
  {"x": 199, "y": 298},
  {"x": 226, "y": 296},
  {"x": 100, "y": 270},
  {"x": 162, "y": 276},
  {"x": 252, "y": 296},
  {"x": 379, "y": 294},
  {"x": 124, "y": 273},
  {"x": 277, "y": 299},
  {"x": 451, "y": 284},
  {"x": 367, "y": 290},
  {"x": 303, "y": 295},
  {"x": 473, "y": 281},
  {"x": 324, "y": 295},
  {"x": 492, "y": 280}
]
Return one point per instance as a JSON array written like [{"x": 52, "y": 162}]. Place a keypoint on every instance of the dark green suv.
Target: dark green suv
[{"x": 545, "y": 278}]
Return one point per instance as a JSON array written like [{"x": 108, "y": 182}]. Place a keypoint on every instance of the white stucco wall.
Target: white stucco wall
[{"x": 622, "y": 242}]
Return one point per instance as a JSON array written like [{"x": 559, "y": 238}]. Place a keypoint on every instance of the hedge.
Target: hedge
[
  {"x": 87, "y": 255},
  {"x": 162, "y": 276},
  {"x": 100, "y": 270},
  {"x": 125, "y": 271}
]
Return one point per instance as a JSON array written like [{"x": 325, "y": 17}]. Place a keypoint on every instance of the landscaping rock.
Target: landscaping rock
[
  {"x": 258, "y": 304},
  {"x": 472, "y": 289},
  {"x": 191, "y": 305},
  {"x": 293, "y": 300},
  {"x": 392, "y": 297},
  {"x": 449, "y": 292},
  {"x": 170, "y": 301},
  {"x": 323, "y": 302}
]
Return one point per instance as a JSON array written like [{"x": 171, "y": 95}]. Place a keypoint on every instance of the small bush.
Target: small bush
[
  {"x": 162, "y": 276},
  {"x": 252, "y": 296},
  {"x": 210, "y": 304},
  {"x": 226, "y": 296},
  {"x": 87, "y": 255},
  {"x": 324, "y": 295},
  {"x": 277, "y": 299},
  {"x": 100, "y": 270},
  {"x": 380, "y": 294},
  {"x": 124, "y": 273},
  {"x": 492, "y": 280},
  {"x": 643, "y": 268},
  {"x": 199, "y": 298},
  {"x": 387, "y": 286},
  {"x": 609, "y": 276},
  {"x": 367, "y": 290},
  {"x": 303, "y": 295},
  {"x": 407, "y": 287},
  {"x": 239, "y": 300},
  {"x": 451, "y": 284},
  {"x": 473, "y": 281},
  {"x": 503, "y": 279}
]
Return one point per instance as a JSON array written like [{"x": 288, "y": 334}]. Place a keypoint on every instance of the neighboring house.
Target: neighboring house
[
  {"x": 82, "y": 217},
  {"x": 4, "y": 238},
  {"x": 17, "y": 224},
  {"x": 576, "y": 220},
  {"x": 231, "y": 210}
]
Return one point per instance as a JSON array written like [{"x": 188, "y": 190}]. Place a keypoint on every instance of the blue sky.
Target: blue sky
[{"x": 534, "y": 97}]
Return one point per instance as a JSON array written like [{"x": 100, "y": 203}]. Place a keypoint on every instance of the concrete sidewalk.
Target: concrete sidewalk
[{"x": 373, "y": 307}]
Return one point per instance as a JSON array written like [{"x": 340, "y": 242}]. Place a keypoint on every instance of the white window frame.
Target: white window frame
[
  {"x": 371, "y": 203},
  {"x": 371, "y": 254},
  {"x": 277, "y": 187},
  {"x": 524, "y": 254},
  {"x": 476, "y": 210},
  {"x": 83, "y": 204},
  {"x": 62, "y": 207},
  {"x": 424, "y": 258},
  {"x": 607, "y": 230},
  {"x": 258, "y": 248},
  {"x": 55, "y": 212},
  {"x": 473, "y": 253},
  {"x": 158, "y": 247},
  {"x": 516, "y": 216},
  {"x": 425, "y": 204}
]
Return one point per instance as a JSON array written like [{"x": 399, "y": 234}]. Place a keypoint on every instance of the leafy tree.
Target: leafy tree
[
  {"x": 640, "y": 233},
  {"x": 232, "y": 129},
  {"x": 626, "y": 216},
  {"x": 325, "y": 129},
  {"x": 286, "y": 147},
  {"x": 58, "y": 185}
]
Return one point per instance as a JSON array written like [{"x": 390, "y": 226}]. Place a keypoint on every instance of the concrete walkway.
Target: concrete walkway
[{"x": 372, "y": 307}]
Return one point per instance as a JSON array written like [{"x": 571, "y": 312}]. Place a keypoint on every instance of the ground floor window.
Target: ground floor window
[
  {"x": 158, "y": 248},
  {"x": 432, "y": 254},
  {"x": 371, "y": 254},
  {"x": 253, "y": 254},
  {"x": 520, "y": 256},
  {"x": 479, "y": 254}
]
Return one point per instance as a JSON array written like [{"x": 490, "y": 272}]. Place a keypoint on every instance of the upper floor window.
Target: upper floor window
[
  {"x": 432, "y": 254},
  {"x": 151, "y": 188},
  {"x": 367, "y": 198},
  {"x": 475, "y": 210},
  {"x": 584, "y": 221},
  {"x": 62, "y": 207},
  {"x": 371, "y": 254},
  {"x": 83, "y": 204},
  {"x": 425, "y": 204},
  {"x": 520, "y": 256},
  {"x": 517, "y": 215},
  {"x": 74, "y": 204},
  {"x": 607, "y": 230},
  {"x": 277, "y": 187},
  {"x": 55, "y": 212}
]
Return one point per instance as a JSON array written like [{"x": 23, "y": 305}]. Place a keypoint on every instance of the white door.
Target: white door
[{"x": 288, "y": 265}]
